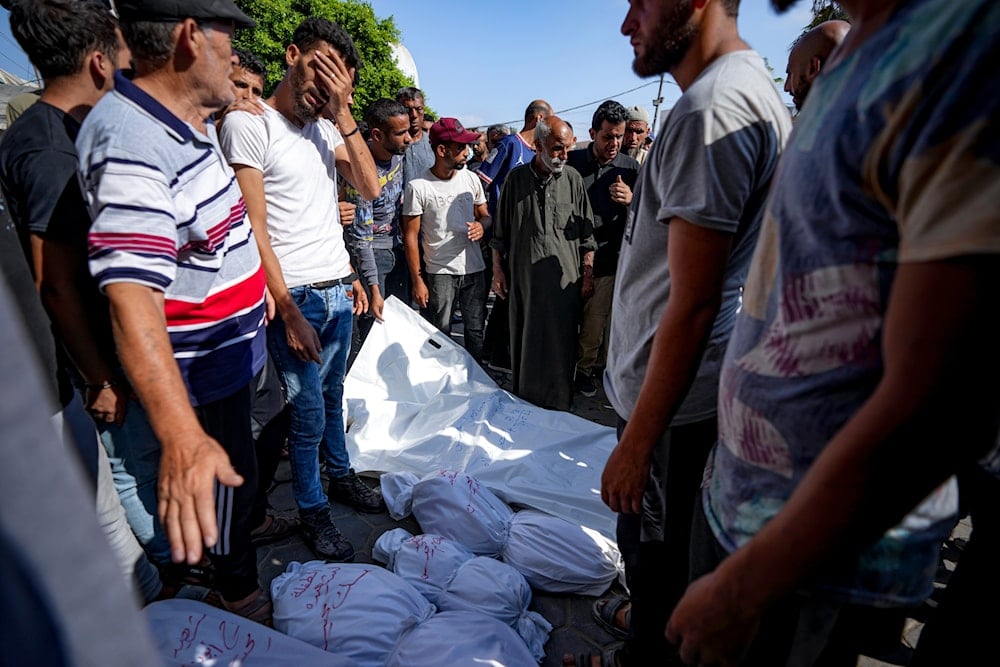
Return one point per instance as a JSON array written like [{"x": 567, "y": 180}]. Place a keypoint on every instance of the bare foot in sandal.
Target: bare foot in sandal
[{"x": 612, "y": 613}]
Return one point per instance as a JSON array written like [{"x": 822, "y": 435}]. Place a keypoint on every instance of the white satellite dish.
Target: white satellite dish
[{"x": 404, "y": 60}]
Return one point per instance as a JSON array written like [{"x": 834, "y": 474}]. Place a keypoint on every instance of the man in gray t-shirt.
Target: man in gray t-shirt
[{"x": 688, "y": 240}]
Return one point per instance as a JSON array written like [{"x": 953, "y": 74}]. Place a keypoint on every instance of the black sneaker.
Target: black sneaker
[
  {"x": 323, "y": 537},
  {"x": 352, "y": 491},
  {"x": 176, "y": 575},
  {"x": 585, "y": 385}
]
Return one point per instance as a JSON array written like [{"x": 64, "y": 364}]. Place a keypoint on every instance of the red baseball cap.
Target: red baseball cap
[{"x": 449, "y": 129}]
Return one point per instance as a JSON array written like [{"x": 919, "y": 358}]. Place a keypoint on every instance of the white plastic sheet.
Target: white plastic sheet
[
  {"x": 462, "y": 639},
  {"x": 553, "y": 554},
  {"x": 428, "y": 562},
  {"x": 188, "y": 632},
  {"x": 417, "y": 402},
  {"x": 454, "y": 579},
  {"x": 349, "y": 609}
]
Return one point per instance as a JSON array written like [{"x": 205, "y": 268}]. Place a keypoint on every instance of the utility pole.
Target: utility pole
[{"x": 656, "y": 105}]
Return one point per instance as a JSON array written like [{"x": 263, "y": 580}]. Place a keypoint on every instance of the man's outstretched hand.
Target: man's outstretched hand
[{"x": 186, "y": 489}]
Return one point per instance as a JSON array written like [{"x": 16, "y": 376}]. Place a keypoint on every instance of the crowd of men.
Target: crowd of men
[{"x": 795, "y": 328}]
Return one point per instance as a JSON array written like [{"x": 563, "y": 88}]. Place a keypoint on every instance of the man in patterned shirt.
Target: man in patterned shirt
[
  {"x": 862, "y": 369},
  {"x": 374, "y": 238}
]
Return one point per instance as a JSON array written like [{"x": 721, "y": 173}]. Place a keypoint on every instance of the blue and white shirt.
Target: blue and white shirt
[{"x": 168, "y": 214}]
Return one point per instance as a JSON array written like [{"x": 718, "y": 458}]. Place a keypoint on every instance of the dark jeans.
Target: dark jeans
[
  {"x": 960, "y": 630},
  {"x": 269, "y": 415},
  {"x": 469, "y": 293},
  {"x": 655, "y": 544},
  {"x": 234, "y": 557}
]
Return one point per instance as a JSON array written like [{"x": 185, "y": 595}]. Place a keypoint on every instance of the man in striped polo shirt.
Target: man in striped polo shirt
[{"x": 172, "y": 249}]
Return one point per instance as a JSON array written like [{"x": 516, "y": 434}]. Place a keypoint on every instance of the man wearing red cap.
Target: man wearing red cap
[{"x": 448, "y": 205}]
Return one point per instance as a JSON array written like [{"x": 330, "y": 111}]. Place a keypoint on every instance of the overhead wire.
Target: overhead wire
[{"x": 585, "y": 104}]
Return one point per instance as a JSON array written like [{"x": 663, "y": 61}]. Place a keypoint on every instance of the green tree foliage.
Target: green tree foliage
[
  {"x": 277, "y": 19},
  {"x": 825, "y": 10}
]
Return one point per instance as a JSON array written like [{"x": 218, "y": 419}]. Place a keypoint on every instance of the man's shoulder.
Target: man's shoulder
[
  {"x": 422, "y": 145},
  {"x": 117, "y": 125},
  {"x": 624, "y": 161},
  {"x": 728, "y": 83},
  {"x": 244, "y": 121},
  {"x": 423, "y": 179},
  {"x": 578, "y": 157},
  {"x": 521, "y": 172},
  {"x": 112, "y": 108},
  {"x": 572, "y": 175},
  {"x": 42, "y": 129},
  {"x": 509, "y": 145}
]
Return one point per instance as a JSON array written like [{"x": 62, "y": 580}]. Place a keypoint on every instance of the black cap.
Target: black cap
[{"x": 178, "y": 10}]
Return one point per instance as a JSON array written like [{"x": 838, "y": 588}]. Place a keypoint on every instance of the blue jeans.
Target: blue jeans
[
  {"x": 468, "y": 290},
  {"x": 134, "y": 453},
  {"x": 316, "y": 391}
]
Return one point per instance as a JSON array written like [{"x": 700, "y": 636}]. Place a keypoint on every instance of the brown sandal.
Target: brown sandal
[
  {"x": 255, "y": 607},
  {"x": 273, "y": 529}
]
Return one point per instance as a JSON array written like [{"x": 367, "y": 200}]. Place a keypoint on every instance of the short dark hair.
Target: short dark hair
[
  {"x": 151, "y": 42},
  {"x": 58, "y": 34},
  {"x": 250, "y": 62},
  {"x": 314, "y": 30},
  {"x": 381, "y": 110},
  {"x": 409, "y": 93},
  {"x": 611, "y": 111}
]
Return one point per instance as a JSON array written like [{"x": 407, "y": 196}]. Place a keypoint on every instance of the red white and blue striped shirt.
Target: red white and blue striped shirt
[{"x": 168, "y": 214}]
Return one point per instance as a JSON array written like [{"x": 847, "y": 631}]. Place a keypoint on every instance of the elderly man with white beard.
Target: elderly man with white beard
[{"x": 544, "y": 226}]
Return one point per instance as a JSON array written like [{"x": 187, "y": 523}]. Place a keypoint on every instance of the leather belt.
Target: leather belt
[{"x": 346, "y": 280}]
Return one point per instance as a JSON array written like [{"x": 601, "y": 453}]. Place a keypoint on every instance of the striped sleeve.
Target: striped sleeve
[{"x": 134, "y": 235}]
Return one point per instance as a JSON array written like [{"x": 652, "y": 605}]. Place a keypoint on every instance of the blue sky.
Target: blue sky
[{"x": 482, "y": 62}]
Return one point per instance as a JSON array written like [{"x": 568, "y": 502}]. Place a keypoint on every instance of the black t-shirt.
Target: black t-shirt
[
  {"x": 609, "y": 217},
  {"x": 38, "y": 163},
  {"x": 17, "y": 275}
]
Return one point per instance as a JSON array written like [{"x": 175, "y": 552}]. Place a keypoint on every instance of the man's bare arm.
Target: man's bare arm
[
  {"x": 483, "y": 217},
  {"x": 411, "y": 244},
  {"x": 191, "y": 459},
  {"x": 57, "y": 276},
  {"x": 354, "y": 159}
]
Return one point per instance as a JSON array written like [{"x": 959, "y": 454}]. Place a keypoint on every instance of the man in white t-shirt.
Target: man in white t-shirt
[
  {"x": 286, "y": 162},
  {"x": 445, "y": 215}
]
